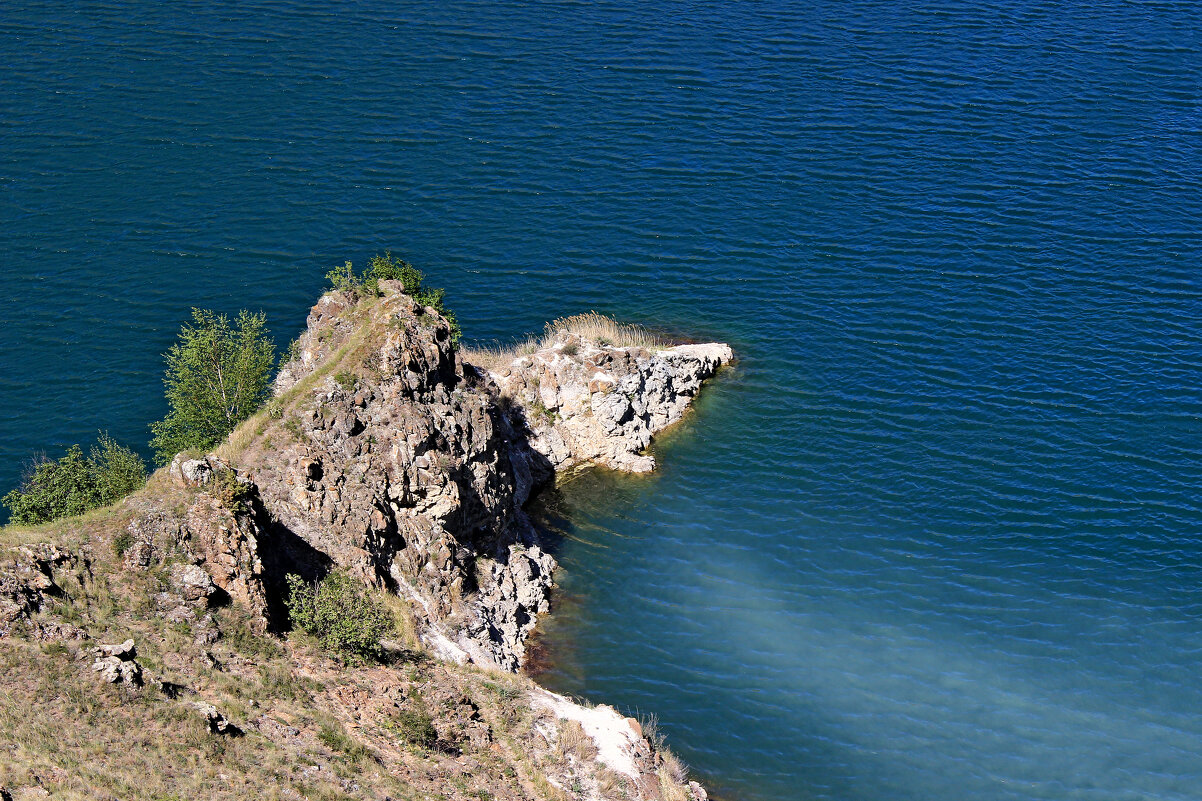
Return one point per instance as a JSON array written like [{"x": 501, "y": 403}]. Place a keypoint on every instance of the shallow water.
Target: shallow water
[{"x": 935, "y": 536}]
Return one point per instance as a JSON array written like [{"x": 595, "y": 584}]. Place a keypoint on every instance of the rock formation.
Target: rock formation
[
  {"x": 387, "y": 454},
  {"x": 396, "y": 460}
]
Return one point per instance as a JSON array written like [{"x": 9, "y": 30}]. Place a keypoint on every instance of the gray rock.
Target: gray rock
[
  {"x": 419, "y": 476},
  {"x": 125, "y": 650},
  {"x": 118, "y": 671},
  {"x": 217, "y": 722},
  {"x": 190, "y": 472},
  {"x": 193, "y": 584}
]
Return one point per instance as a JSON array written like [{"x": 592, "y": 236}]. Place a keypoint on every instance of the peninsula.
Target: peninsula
[{"x": 142, "y": 645}]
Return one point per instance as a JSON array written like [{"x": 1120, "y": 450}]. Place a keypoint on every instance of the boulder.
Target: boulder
[
  {"x": 193, "y": 584},
  {"x": 116, "y": 664},
  {"x": 190, "y": 472},
  {"x": 217, "y": 722}
]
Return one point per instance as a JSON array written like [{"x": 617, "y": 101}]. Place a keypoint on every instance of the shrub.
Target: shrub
[
  {"x": 416, "y": 728},
  {"x": 217, "y": 375},
  {"x": 74, "y": 483},
  {"x": 122, "y": 543},
  {"x": 390, "y": 268},
  {"x": 340, "y": 613},
  {"x": 291, "y": 353},
  {"x": 228, "y": 489},
  {"x": 119, "y": 471},
  {"x": 343, "y": 279}
]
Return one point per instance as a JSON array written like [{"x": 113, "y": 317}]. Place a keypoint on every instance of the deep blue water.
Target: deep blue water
[{"x": 935, "y": 537}]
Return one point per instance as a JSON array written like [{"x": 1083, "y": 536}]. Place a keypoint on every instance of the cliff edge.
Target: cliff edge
[{"x": 388, "y": 453}]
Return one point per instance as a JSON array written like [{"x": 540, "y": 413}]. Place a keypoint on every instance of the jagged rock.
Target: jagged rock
[
  {"x": 600, "y": 404},
  {"x": 190, "y": 472},
  {"x": 414, "y": 474},
  {"x": 139, "y": 556},
  {"x": 206, "y": 631},
  {"x": 217, "y": 722},
  {"x": 115, "y": 671},
  {"x": 124, "y": 650},
  {"x": 116, "y": 664},
  {"x": 153, "y": 533},
  {"x": 225, "y": 542},
  {"x": 194, "y": 585},
  {"x": 25, "y": 581},
  {"x": 57, "y": 632}
]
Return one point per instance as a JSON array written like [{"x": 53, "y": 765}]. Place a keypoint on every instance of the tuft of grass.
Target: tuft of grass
[
  {"x": 597, "y": 327},
  {"x": 335, "y": 738},
  {"x": 593, "y": 326},
  {"x": 122, "y": 543}
]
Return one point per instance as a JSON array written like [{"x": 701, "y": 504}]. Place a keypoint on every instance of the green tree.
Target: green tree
[
  {"x": 74, "y": 483},
  {"x": 217, "y": 375},
  {"x": 390, "y": 268}
]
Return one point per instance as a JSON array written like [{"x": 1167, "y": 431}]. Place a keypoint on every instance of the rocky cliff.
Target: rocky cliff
[
  {"x": 388, "y": 454},
  {"x": 409, "y": 466}
]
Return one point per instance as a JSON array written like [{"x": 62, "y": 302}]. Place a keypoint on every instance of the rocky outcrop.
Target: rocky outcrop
[
  {"x": 587, "y": 403},
  {"x": 26, "y": 579},
  {"x": 224, "y": 538},
  {"x": 396, "y": 461},
  {"x": 116, "y": 664},
  {"x": 219, "y": 532}
]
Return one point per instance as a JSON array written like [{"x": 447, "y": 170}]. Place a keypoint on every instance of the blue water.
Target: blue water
[{"x": 935, "y": 537}]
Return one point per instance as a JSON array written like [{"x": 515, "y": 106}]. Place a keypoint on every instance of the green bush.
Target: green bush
[
  {"x": 74, "y": 484},
  {"x": 343, "y": 279},
  {"x": 340, "y": 613},
  {"x": 390, "y": 268},
  {"x": 217, "y": 375},
  {"x": 416, "y": 728},
  {"x": 122, "y": 543}
]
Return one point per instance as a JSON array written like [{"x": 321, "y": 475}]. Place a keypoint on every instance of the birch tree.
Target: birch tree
[{"x": 217, "y": 375}]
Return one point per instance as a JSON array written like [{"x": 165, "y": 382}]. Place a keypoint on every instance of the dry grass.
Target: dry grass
[
  {"x": 496, "y": 356},
  {"x": 597, "y": 328},
  {"x": 258, "y": 424},
  {"x": 575, "y": 741},
  {"x": 604, "y": 331}
]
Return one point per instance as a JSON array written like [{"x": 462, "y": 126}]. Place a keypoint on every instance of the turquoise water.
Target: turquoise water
[{"x": 934, "y": 537}]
